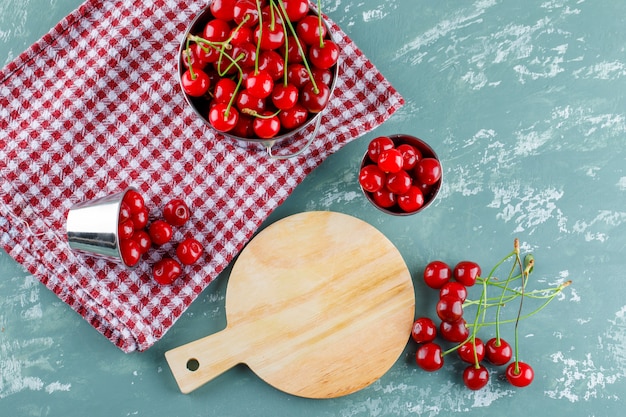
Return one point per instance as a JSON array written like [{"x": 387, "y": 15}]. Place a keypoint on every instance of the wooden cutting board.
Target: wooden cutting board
[{"x": 318, "y": 304}]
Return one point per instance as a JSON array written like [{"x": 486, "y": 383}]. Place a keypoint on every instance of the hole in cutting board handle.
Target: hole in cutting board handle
[{"x": 193, "y": 364}]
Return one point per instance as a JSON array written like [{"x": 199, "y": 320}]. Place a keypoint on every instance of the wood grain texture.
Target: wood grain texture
[{"x": 319, "y": 305}]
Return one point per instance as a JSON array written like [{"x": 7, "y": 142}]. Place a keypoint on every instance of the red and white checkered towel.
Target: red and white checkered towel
[{"x": 94, "y": 107}]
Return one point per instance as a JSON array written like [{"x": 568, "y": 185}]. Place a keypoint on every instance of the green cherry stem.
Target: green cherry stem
[
  {"x": 319, "y": 22},
  {"x": 256, "y": 114},
  {"x": 239, "y": 79},
  {"x": 258, "y": 42},
  {"x": 188, "y": 57},
  {"x": 525, "y": 274},
  {"x": 501, "y": 303},
  {"x": 300, "y": 49},
  {"x": 286, "y": 59},
  {"x": 554, "y": 292},
  {"x": 206, "y": 43}
]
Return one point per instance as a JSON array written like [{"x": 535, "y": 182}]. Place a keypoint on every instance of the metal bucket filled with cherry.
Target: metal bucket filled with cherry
[
  {"x": 400, "y": 174},
  {"x": 259, "y": 72}
]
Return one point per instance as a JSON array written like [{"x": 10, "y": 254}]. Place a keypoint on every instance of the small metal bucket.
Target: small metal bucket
[
  {"x": 308, "y": 130},
  {"x": 92, "y": 227}
]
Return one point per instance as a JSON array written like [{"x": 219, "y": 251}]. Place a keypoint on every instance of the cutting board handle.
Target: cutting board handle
[{"x": 198, "y": 362}]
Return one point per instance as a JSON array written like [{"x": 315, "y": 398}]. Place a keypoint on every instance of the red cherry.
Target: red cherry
[
  {"x": 160, "y": 232},
  {"x": 134, "y": 200},
  {"x": 293, "y": 52},
  {"x": 223, "y": 9},
  {"x": 429, "y": 357},
  {"x": 297, "y": 75},
  {"x": 519, "y": 374},
  {"x": 143, "y": 240},
  {"x": 244, "y": 53},
  {"x": 240, "y": 34},
  {"x": 130, "y": 251},
  {"x": 428, "y": 170},
  {"x": 426, "y": 189},
  {"x": 224, "y": 90},
  {"x": 216, "y": 30},
  {"x": 140, "y": 219},
  {"x": 322, "y": 76},
  {"x": 272, "y": 63},
  {"x": 456, "y": 289},
  {"x": 309, "y": 30},
  {"x": 245, "y": 9},
  {"x": 205, "y": 54},
  {"x": 412, "y": 200},
  {"x": 449, "y": 308},
  {"x": 377, "y": 145},
  {"x": 472, "y": 351},
  {"x": 325, "y": 55},
  {"x": 424, "y": 330},
  {"x": 270, "y": 13},
  {"x": 189, "y": 251},
  {"x": 125, "y": 229},
  {"x": 475, "y": 377},
  {"x": 259, "y": 84},
  {"x": 270, "y": 37},
  {"x": 221, "y": 121},
  {"x": 371, "y": 178},
  {"x": 498, "y": 352},
  {"x": 176, "y": 212},
  {"x": 267, "y": 126},
  {"x": 166, "y": 271},
  {"x": 296, "y": 9},
  {"x": 189, "y": 54},
  {"x": 312, "y": 100},
  {"x": 284, "y": 96},
  {"x": 399, "y": 183},
  {"x": 195, "y": 85},
  {"x": 410, "y": 156},
  {"x": 390, "y": 160},
  {"x": 243, "y": 128},
  {"x": 456, "y": 332},
  {"x": 466, "y": 272},
  {"x": 294, "y": 117},
  {"x": 384, "y": 198},
  {"x": 246, "y": 101},
  {"x": 436, "y": 274}
]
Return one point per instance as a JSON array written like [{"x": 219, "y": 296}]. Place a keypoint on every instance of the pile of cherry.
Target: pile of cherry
[
  {"x": 400, "y": 173},
  {"x": 137, "y": 235},
  {"x": 259, "y": 68},
  {"x": 461, "y": 332}
]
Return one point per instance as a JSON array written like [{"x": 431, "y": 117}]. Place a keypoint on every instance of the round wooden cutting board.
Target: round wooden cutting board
[{"x": 318, "y": 304}]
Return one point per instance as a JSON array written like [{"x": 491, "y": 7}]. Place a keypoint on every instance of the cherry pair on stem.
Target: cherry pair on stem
[{"x": 454, "y": 328}]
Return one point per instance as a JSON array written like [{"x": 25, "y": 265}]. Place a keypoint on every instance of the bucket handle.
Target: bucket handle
[{"x": 268, "y": 145}]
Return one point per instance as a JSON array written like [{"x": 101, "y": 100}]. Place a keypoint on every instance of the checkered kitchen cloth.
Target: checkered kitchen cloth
[{"x": 93, "y": 107}]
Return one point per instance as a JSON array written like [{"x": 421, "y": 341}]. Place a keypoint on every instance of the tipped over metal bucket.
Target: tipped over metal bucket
[{"x": 92, "y": 227}]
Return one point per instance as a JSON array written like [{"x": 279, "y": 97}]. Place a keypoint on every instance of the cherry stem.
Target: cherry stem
[
  {"x": 254, "y": 113},
  {"x": 285, "y": 72},
  {"x": 272, "y": 17},
  {"x": 481, "y": 302},
  {"x": 200, "y": 40},
  {"x": 555, "y": 291},
  {"x": 188, "y": 57},
  {"x": 501, "y": 302},
  {"x": 300, "y": 49},
  {"x": 525, "y": 274},
  {"x": 239, "y": 79},
  {"x": 258, "y": 42},
  {"x": 319, "y": 22}
]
